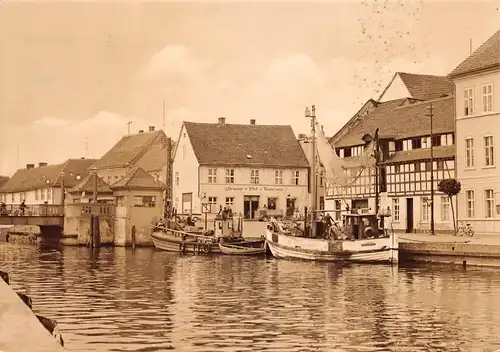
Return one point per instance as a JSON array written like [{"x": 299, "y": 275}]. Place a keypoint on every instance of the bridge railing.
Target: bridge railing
[{"x": 32, "y": 210}]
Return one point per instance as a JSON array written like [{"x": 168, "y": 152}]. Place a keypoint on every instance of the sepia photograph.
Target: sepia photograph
[{"x": 249, "y": 175}]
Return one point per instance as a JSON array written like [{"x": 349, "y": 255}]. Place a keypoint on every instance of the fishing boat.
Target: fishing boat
[
  {"x": 170, "y": 237},
  {"x": 243, "y": 248},
  {"x": 361, "y": 237}
]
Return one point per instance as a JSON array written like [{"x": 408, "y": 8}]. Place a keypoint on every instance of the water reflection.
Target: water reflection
[{"x": 116, "y": 299}]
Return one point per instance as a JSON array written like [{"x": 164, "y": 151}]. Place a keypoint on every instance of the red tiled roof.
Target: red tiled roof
[
  {"x": 401, "y": 119},
  {"x": 138, "y": 178},
  {"x": 87, "y": 185},
  {"x": 3, "y": 180},
  {"x": 232, "y": 144},
  {"x": 485, "y": 57},
  {"x": 426, "y": 87},
  {"x": 442, "y": 152},
  {"x": 48, "y": 176},
  {"x": 145, "y": 149},
  {"x": 365, "y": 109}
]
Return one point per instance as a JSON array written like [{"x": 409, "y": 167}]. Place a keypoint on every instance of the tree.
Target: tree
[{"x": 450, "y": 187}]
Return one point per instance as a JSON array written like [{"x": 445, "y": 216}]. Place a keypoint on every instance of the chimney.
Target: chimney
[
  {"x": 222, "y": 121},
  {"x": 83, "y": 158},
  {"x": 140, "y": 131},
  {"x": 151, "y": 128},
  {"x": 42, "y": 163},
  {"x": 30, "y": 166},
  {"x": 252, "y": 121}
]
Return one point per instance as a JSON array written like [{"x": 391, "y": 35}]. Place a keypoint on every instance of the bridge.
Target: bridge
[{"x": 39, "y": 214}]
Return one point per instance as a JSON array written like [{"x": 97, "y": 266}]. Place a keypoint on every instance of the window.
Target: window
[
  {"x": 271, "y": 203},
  {"x": 436, "y": 141},
  {"x": 488, "y": 151},
  {"x": 395, "y": 209},
  {"x": 445, "y": 209},
  {"x": 229, "y": 175},
  {"x": 229, "y": 202},
  {"x": 487, "y": 94},
  {"x": 120, "y": 201},
  {"x": 469, "y": 152},
  {"x": 469, "y": 196},
  {"x": 13, "y": 199},
  {"x": 278, "y": 177},
  {"x": 145, "y": 201},
  {"x": 424, "y": 216},
  {"x": 425, "y": 142},
  {"x": 489, "y": 206},
  {"x": 254, "y": 177},
  {"x": 468, "y": 102},
  {"x": 36, "y": 195},
  {"x": 321, "y": 203},
  {"x": 398, "y": 146},
  {"x": 213, "y": 204},
  {"x": 212, "y": 176},
  {"x": 177, "y": 178},
  {"x": 295, "y": 177},
  {"x": 338, "y": 210},
  {"x": 416, "y": 143},
  {"x": 42, "y": 194}
]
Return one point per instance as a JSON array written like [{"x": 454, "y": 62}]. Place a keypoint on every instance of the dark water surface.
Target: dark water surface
[{"x": 117, "y": 299}]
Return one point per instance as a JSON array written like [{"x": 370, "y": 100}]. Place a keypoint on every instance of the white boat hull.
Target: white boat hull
[
  {"x": 377, "y": 250},
  {"x": 241, "y": 250},
  {"x": 169, "y": 242}
]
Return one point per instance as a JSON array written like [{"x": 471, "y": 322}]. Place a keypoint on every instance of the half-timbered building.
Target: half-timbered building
[{"x": 405, "y": 162}]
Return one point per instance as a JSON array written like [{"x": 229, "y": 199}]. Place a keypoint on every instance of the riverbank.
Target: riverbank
[
  {"x": 22, "y": 330},
  {"x": 479, "y": 250}
]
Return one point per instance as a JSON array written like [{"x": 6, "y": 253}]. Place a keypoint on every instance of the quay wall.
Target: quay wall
[
  {"x": 22, "y": 330},
  {"x": 477, "y": 252},
  {"x": 78, "y": 227}
]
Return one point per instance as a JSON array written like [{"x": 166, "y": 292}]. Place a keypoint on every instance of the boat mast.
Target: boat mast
[
  {"x": 377, "y": 173},
  {"x": 312, "y": 116}
]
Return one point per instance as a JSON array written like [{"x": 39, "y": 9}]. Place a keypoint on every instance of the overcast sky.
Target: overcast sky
[{"x": 73, "y": 74}]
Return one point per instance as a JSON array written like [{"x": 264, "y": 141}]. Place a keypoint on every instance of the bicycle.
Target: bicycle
[{"x": 465, "y": 229}]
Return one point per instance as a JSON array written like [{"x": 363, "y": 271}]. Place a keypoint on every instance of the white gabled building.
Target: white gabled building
[
  {"x": 239, "y": 166},
  {"x": 477, "y": 84}
]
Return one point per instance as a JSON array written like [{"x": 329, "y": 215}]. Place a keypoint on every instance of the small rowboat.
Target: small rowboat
[{"x": 243, "y": 248}]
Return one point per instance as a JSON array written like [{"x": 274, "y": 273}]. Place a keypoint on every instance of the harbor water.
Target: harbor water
[{"x": 117, "y": 299}]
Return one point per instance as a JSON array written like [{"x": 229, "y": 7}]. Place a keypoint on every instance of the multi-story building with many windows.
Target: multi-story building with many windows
[
  {"x": 477, "y": 84},
  {"x": 243, "y": 167},
  {"x": 405, "y": 141}
]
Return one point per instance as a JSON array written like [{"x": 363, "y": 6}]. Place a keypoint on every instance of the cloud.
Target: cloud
[
  {"x": 55, "y": 140},
  {"x": 173, "y": 61}
]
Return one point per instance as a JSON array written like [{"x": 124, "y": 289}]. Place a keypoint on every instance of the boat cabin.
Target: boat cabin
[
  {"x": 224, "y": 224},
  {"x": 361, "y": 226}
]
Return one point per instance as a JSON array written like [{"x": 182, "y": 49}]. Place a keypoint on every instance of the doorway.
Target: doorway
[
  {"x": 290, "y": 206},
  {"x": 250, "y": 206},
  {"x": 409, "y": 215},
  {"x": 187, "y": 203}
]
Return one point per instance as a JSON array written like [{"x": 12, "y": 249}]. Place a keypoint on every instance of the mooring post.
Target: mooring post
[{"x": 133, "y": 236}]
